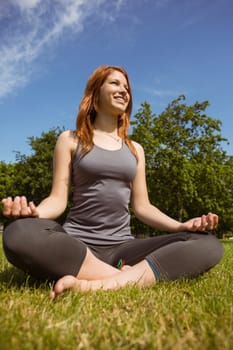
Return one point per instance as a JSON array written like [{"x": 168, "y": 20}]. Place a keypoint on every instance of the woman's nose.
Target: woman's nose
[{"x": 123, "y": 90}]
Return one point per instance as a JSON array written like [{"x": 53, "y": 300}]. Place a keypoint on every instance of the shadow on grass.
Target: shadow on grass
[{"x": 13, "y": 277}]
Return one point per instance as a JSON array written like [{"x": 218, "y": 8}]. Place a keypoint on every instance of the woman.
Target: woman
[{"x": 95, "y": 249}]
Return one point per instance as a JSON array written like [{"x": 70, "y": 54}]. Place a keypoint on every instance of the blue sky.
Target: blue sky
[{"x": 48, "y": 49}]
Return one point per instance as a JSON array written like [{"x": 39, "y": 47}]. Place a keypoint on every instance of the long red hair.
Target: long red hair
[{"x": 88, "y": 106}]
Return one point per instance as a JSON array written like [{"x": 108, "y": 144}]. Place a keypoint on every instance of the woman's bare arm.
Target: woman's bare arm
[{"x": 53, "y": 205}]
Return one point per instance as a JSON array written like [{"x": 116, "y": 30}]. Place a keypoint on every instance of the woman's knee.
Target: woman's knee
[
  {"x": 216, "y": 249},
  {"x": 11, "y": 235},
  {"x": 209, "y": 248},
  {"x": 17, "y": 234}
]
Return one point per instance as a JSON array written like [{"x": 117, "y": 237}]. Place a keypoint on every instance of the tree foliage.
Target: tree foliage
[
  {"x": 188, "y": 172},
  {"x": 31, "y": 175},
  {"x": 6, "y": 175}
]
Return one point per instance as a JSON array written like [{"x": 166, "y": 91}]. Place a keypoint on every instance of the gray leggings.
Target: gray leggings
[{"x": 42, "y": 248}]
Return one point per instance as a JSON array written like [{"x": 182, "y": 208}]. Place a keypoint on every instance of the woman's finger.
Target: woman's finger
[
  {"x": 33, "y": 209},
  {"x": 24, "y": 206},
  {"x": 212, "y": 220},
  {"x": 16, "y": 207},
  {"x": 7, "y": 206},
  {"x": 204, "y": 223}
]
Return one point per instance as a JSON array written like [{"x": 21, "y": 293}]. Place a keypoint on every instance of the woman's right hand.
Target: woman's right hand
[{"x": 19, "y": 207}]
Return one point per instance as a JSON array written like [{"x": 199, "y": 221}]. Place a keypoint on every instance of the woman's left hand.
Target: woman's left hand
[{"x": 207, "y": 222}]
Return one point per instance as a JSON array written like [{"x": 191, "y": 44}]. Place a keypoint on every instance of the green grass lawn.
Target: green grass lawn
[{"x": 196, "y": 314}]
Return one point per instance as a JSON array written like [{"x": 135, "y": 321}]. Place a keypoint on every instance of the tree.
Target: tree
[
  {"x": 143, "y": 123},
  {"x": 184, "y": 159},
  {"x": 6, "y": 175},
  {"x": 32, "y": 175}
]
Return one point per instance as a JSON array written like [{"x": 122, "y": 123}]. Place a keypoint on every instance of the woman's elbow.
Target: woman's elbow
[{"x": 139, "y": 210}]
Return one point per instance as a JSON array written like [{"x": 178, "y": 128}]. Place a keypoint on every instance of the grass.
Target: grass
[{"x": 195, "y": 314}]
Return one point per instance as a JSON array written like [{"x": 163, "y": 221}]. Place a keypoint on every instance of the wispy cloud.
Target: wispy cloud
[
  {"x": 192, "y": 20},
  {"x": 29, "y": 27},
  {"x": 25, "y": 4},
  {"x": 162, "y": 93}
]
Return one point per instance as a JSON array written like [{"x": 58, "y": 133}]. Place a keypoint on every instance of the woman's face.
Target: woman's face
[{"x": 114, "y": 95}]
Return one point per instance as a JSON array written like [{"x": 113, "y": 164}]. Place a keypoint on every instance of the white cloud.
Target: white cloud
[
  {"x": 119, "y": 3},
  {"x": 161, "y": 93},
  {"x": 29, "y": 27},
  {"x": 25, "y": 4}
]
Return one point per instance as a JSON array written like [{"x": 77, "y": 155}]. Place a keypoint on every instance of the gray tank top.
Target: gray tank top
[{"x": 101, "y": 193}]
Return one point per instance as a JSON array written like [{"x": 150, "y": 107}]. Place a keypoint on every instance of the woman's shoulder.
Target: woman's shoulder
[
  {"x": 137, "y": 146},
  {"x": 69, "y": 139}
]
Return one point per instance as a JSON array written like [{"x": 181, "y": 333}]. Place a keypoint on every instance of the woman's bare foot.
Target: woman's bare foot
[
  {"x": 70, "y": 282},
  {"x": 140, "y": 274}
]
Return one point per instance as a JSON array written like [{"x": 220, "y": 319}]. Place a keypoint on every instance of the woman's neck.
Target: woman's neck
[{"x": 107, "y": 124}]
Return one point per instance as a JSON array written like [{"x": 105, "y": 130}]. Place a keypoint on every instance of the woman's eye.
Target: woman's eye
[{"x": 115, "y": 82}]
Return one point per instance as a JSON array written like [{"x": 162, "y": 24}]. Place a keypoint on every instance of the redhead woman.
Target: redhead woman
[{"x": 95, "y": 249}]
